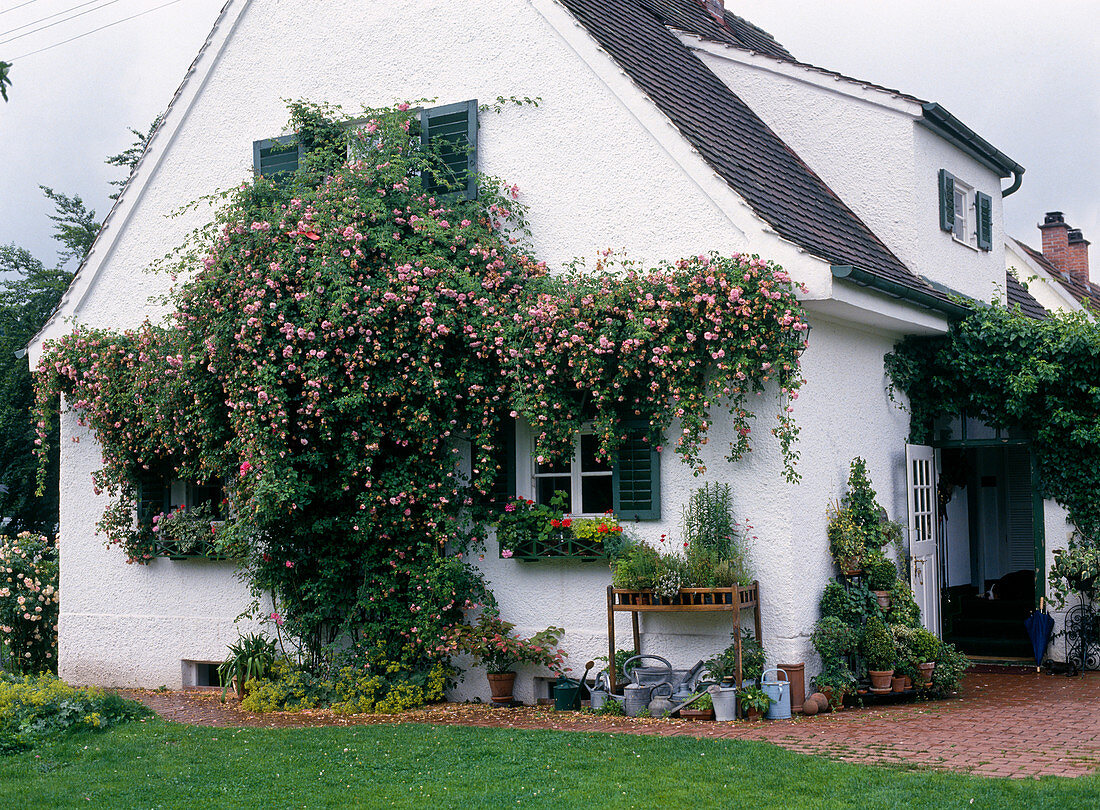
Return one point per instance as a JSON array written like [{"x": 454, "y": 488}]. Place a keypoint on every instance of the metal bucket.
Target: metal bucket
[
  {"x": 780, "y": 693},
  {"x": 724, "y": 702},
  {"x": 636, "y": 698},
  {"x": 652, "y": 676}
]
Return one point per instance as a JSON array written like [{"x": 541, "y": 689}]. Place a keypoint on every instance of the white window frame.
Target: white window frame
[
  {"x": 966, "y": 216},
  {"x": 529, "y": 482}
]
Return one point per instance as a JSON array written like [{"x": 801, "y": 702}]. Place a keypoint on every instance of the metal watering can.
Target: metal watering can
[
  {"x": 600, "y": 692},
  {"x": 637, "y": 696},
  {"x": 679, "y": 691},
  {"x": 780, "y": 693}
]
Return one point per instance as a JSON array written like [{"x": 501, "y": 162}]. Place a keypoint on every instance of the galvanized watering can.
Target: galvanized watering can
[{"x": 637, "y": 696}]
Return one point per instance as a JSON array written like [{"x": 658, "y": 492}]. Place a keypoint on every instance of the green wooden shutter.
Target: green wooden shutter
[
  {"x": 275, "y": 157},
  {"x": 452, "y": 129},
  {"x": 636, "y": 480},
  {"x": 504, "y": 456},
  {"x": 984, "y": 207},
  {"x": 153, "y": 496},
  {"x": 947, "y": 201}
]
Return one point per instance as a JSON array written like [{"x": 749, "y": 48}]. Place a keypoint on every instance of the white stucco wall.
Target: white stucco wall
[
  {"x": 867, "y": 146},
  {"x": 599, "y": 167},
  {"x": 843, "y": 412},
  {"x": 596, "y": 162}
]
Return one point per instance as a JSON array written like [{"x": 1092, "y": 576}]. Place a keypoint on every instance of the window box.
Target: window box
[{"x": 559, "y": 546}]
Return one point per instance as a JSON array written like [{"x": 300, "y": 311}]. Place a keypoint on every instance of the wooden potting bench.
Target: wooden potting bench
[{"x": 732, "y": 600}]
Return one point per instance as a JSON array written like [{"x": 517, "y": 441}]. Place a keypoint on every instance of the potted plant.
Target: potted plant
[
  {"x": 494, "y": 644},
  {"x": 847, "y": 540},
  {"x": 701, "y": 709},
  {"x": 835, "y": 683},
  {"x": 1075, "y": 570},
  {"x": 881, "y": 576},
  {"x": 926, "y": 649},
  {"x": 878, "y": 651},
  {"x": 754, "y": 702}
]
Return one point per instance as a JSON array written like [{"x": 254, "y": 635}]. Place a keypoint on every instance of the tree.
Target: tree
[
  {"x": 129, "y": 158},
  {"x": 4, "y": 80},
  {"x": 29, "y": 292},
  {"x": 75, "y": 225}
]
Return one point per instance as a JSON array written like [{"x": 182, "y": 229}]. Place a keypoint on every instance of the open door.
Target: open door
[{"x": 924, "y": 572}]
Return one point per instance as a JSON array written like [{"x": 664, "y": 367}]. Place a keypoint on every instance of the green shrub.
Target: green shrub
[
  {"x": 906, "y": 657},
  {"x": 881, "y": 574},
  {"x": 950, "y": 666},
  {"x": 724, "y": 665},
  {"x": 833, "y": 639},
  {"x": 903, "y": 607},
  {"x": 851, "y": 605},
  {"x": 28, "y": 604},
  {"x": 34, "y": 708},
  {"x": 926, "y": 647},
  {"x": 878, "y": 646},
  {"x": 361, "y": 683}
]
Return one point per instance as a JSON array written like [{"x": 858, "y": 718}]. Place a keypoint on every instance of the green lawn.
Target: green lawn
[{"x": 158, "y": 764}]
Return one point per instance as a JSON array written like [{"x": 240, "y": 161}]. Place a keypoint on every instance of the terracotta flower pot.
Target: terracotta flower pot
[
  {"x": 897, "y": 684},
  {"x": 753, "y": 715},
  {"x": 926, "y": 670},
  {"x": 884, "y": 599},
  {"x": 908, "y": 682},
  {"x": 500, "y": 684},
  {"x": 880, "y": 680}
]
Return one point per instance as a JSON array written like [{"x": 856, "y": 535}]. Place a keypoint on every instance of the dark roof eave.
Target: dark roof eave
[
  {"x": 923, "y": 299},
  {"x": 950, "y": 128}
]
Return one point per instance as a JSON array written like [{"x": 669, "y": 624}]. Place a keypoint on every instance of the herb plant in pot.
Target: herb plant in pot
[
  {"x": 926, "y": 649},
  {"x": 881, "y": 576},
  {"x": 754, "y": 702},
  {"x": 494, "y": 644},
  {"x": 847, "y": 540},
  {"x": 878, "y": 651}
]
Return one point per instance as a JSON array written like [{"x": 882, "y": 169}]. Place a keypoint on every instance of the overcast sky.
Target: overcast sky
[{"x": 1024, "y": 75}]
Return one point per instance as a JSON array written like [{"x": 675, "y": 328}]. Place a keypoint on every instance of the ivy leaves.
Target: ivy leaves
[{"x": 1013, "y": 371}]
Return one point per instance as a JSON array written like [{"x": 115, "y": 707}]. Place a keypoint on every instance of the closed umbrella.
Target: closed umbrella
[{"x": 1039, "y": 624}]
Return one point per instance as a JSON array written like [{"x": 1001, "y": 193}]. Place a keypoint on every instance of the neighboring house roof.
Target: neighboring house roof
[
  {"x": 1019, "y": 296},
  {"x": 780, "y": 187},
  {"x": 1085, "y": 293},
  {"x": 692, "y": 18}
]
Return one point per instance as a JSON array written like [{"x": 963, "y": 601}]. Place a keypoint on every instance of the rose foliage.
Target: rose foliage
[
  {"x": 28, "y": 603},
  {"x": 344, "y": 335}
]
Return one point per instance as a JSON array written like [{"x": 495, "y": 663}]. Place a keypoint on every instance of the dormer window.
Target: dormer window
[{"x": 965, "y": 213}]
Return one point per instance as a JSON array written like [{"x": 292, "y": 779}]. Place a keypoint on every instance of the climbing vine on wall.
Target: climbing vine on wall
[
  {"x": 1011, "y": 371},
  {"x": 343, "y": 335}
]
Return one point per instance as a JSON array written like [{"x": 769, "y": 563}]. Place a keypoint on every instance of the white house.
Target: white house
[{"x": 665, "y": 128}]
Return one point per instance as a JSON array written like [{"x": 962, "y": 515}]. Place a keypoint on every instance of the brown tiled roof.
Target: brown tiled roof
[
  {"x": 1019, "y": 296},
  {"x": 1082, "y": 292},
  {"x": 758, "y": 165}
]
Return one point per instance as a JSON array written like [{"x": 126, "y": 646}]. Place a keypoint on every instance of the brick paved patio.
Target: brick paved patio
[{"x": 1013, "y": 723}]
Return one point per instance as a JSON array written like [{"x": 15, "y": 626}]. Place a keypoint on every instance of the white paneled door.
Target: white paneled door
[{"x": 924, "y": 572}]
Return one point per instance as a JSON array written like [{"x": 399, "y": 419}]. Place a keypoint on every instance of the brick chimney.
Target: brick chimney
[
  {"x": 1064, "y": 247},
  {"x": 716, "y": 9},
  {"x": 1077, "y": 256}
]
